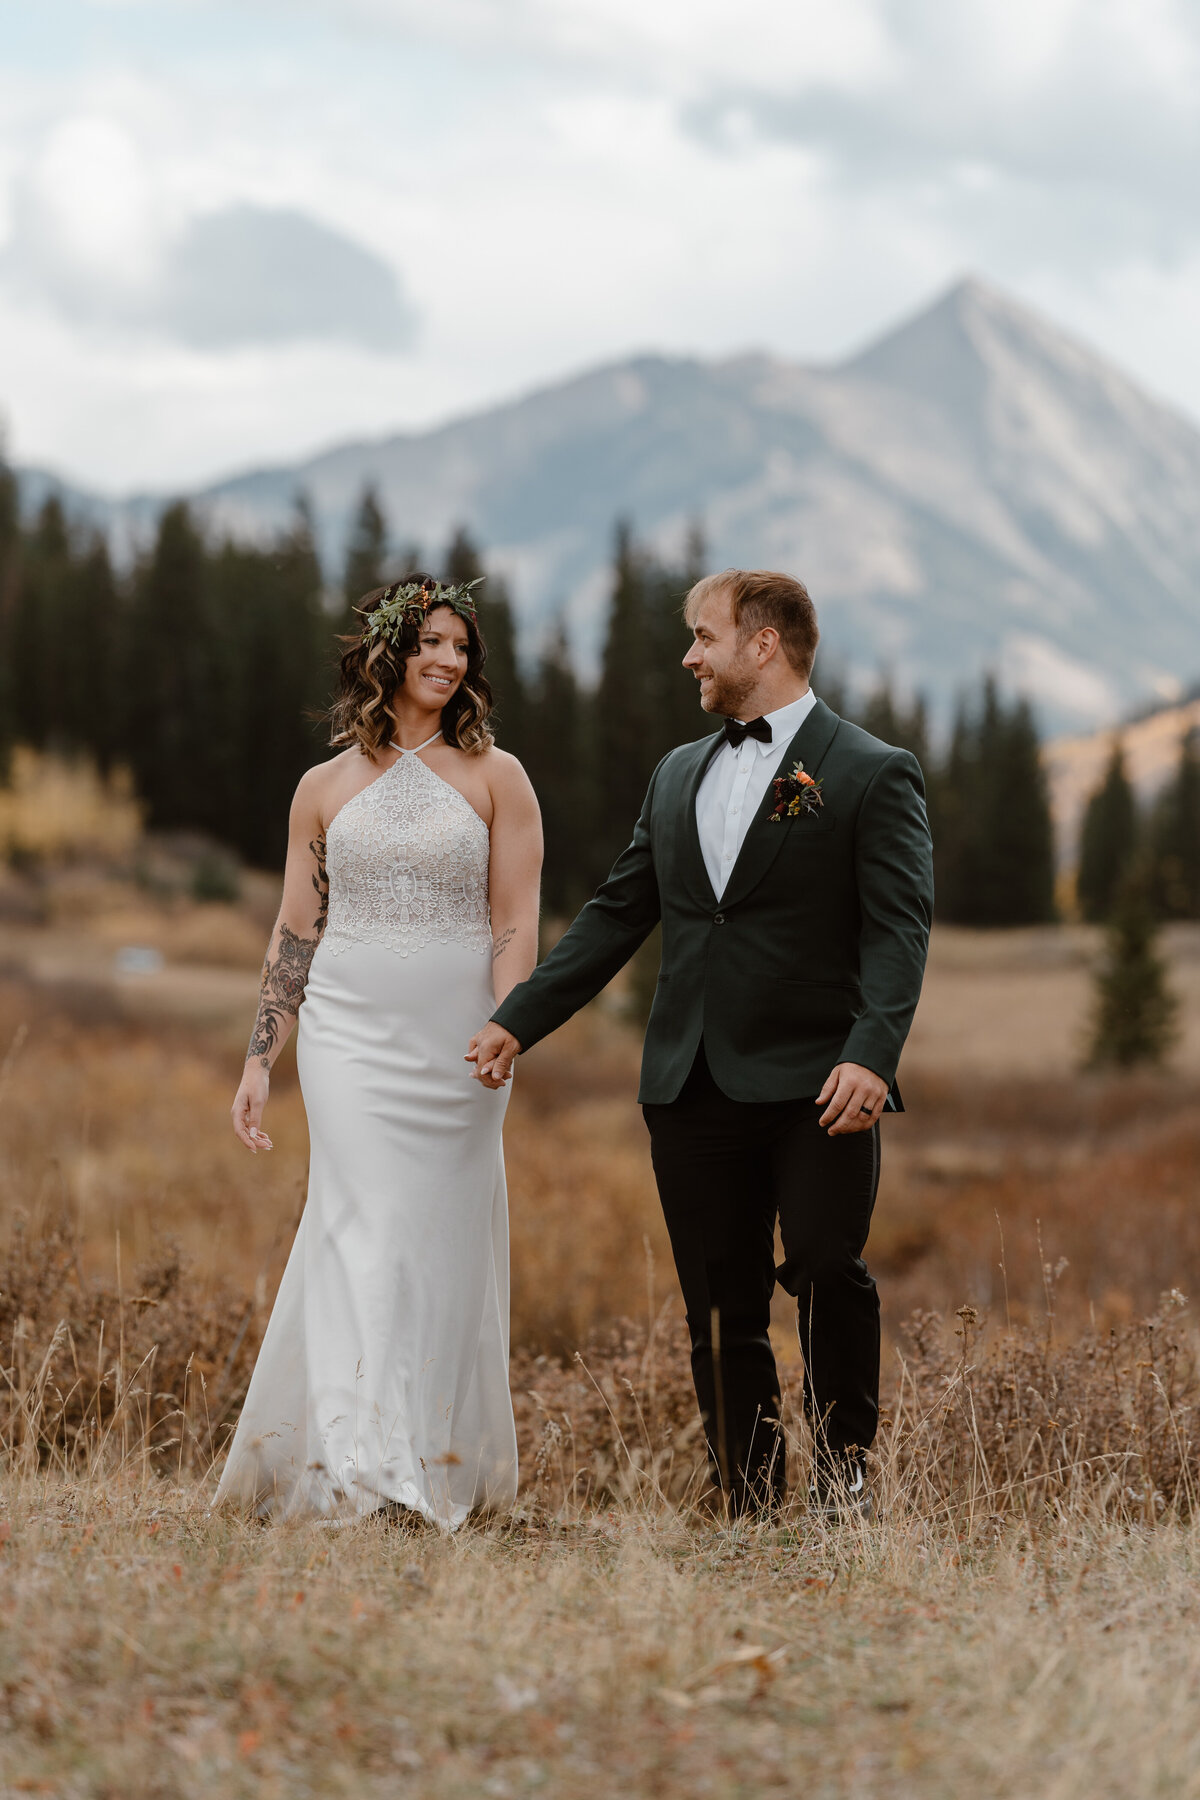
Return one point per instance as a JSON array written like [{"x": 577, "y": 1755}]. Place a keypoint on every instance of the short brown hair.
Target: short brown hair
[{"x": 759, "y": 597}]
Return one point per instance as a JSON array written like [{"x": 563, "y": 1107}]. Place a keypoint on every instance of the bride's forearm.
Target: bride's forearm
[
  {"x": 281, "y": 990},
  {"x": 514, "y": 955}
]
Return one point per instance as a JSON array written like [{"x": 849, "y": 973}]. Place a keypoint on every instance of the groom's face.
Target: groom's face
[{"x": 725, "y": 668}]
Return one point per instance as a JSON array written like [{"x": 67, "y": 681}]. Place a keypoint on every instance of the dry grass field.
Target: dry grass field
[
  {"x": 1021, "y": 1621},
  {"x": 150, "y": 1650}
]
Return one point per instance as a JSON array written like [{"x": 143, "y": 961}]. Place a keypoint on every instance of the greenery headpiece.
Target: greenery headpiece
[{"x": 410, "y": 603}]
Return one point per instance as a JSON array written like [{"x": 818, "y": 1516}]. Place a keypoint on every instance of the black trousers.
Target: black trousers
[{"x": 726, "y": 1170}]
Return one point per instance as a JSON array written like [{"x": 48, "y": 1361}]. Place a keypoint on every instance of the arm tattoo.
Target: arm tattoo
[
  {"x": 280, "y": 992},
  {"x": 500, "y": 944},
  {"x": 320, "y": 882}
]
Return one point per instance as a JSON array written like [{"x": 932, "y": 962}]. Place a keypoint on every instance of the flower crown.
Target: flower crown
[{"x": 411, "y": 602}]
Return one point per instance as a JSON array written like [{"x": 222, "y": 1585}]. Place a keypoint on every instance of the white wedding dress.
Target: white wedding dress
[{"x": 383, "y": 1375}]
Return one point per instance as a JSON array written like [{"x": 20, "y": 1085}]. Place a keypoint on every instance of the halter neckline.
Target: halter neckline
[{"x": 393, "y": 745}]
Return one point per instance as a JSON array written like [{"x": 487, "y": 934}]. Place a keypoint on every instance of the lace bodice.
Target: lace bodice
[{"x": 407, "y": 860}]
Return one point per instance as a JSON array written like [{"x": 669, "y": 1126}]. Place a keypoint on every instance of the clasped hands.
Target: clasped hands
[
  {"x": 493, "y": 1051},
  {"x": 853, "y": 1097}
]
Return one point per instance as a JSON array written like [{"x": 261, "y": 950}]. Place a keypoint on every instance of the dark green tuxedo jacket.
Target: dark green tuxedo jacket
[{"x": 813, "y": 955}]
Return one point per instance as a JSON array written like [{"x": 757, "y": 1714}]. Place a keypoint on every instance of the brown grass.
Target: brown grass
[
  {"x": 1021, "y": 1620},
  {"x": 976, "y": 1426},
  {"x": 152, "y": 1652}
]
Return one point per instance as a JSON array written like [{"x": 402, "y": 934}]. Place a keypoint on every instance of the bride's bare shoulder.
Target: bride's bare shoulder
[
  {"x": 326, "y": 782},
  {"x": 497, "y": 764},
  {"x": 504, "y": 773}
]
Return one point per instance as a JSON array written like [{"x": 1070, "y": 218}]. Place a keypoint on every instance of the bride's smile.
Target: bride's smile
[{"x": 436, "y": 669}]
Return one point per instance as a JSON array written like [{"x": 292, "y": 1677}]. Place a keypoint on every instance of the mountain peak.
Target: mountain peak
[
  {"x": 935, "y": 352},
  {"x": 971, "y": 337}
]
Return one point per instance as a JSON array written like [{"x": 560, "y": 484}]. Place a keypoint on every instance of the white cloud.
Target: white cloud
[
  {"x": 561, "y": 181},
  {"x": 91, "y": 238},
  {"x": 671, "y": 44},
  {"x": 87, "y": 205},
  {"x": 252, "y": 274},
  {"x": 1077, "y": 101}
]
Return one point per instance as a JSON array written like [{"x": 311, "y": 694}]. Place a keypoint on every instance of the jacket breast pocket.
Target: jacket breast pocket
[{"x": 810, "y": 828}]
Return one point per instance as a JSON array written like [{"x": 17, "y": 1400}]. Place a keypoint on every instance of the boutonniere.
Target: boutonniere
[{"x": 795, "y": 795}]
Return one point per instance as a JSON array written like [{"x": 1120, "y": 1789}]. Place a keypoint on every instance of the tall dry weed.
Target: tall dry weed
[
  {"x": 976, "y": 1423},
  {"x": 152, "y": 1367},
  {"x": 1018, "y": 1419}
]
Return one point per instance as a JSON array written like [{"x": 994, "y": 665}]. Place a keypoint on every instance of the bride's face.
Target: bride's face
[{"x": 436, "y": 669}]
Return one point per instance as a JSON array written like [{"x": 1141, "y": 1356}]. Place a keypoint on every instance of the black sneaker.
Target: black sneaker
[{"x": 839, "y": 1488}]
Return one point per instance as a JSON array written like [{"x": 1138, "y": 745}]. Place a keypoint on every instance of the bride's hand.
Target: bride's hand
[
  {"x": 492, "y": 1050},
  {"x": 248, "y": 1107}
]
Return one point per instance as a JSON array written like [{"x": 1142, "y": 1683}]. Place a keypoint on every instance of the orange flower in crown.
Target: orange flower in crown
[{"x": 410, "y": 602}]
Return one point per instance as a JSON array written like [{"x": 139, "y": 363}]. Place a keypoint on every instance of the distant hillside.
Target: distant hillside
[
  {"x": 1076, "y": 765},
  {"x": 975, "y": 490}
]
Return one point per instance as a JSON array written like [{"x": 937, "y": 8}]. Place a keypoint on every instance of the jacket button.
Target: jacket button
[{"x": 718, "y": 918}]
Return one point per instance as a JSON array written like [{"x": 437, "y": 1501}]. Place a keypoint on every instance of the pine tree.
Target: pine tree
[
  {"x": 670, "y": 699},
  {"x": 100, "y": 621},
  {"x": 38, "y": 644},
  {"x": 286, "y": 637},
  {"x": 1175, "y": 840},
  {"x": 179, "y": 727},
  {"x": 366, "y": 555},
  {"x": 273, "y": 654},
  {"x": 494, "y": 609},
  {"x": 558, "y": 765},
  {"x": 1108, "y": 840},
  {"x": 201, "y": 670},
  {"x": 907, "y": 727},
  {"x": 623, "y": 722},
  {"x": 1020, "y": 832},
  {"x": 956, "y": 845},
  {"x": 462, "y": 560},
  {"x": 994, "y": 839},
  {"x": 1135, "y": 1011}
]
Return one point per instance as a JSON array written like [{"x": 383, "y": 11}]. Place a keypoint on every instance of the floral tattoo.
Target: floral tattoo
[{"x": 284, "y": 979}]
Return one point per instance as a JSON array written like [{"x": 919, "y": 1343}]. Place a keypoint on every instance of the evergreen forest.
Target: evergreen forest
[{"x": 204, "y": 669}]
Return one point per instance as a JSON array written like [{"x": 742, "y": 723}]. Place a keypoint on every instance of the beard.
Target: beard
[{"x": 728, "y": 692}]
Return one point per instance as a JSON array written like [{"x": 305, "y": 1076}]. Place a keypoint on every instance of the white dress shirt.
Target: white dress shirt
[{"x": 734, "y": 787}]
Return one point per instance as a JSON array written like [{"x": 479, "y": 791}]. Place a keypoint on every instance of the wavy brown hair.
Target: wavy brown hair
[{"x": 372, "y": 673}]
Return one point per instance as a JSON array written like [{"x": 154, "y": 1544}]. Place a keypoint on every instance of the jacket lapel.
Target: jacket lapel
[
  {"x": 764, "y": 839},
  {"x": 690, "y": 854}
]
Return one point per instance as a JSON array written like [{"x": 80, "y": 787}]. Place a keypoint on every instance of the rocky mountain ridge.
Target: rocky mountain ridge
[{"x": 975, "y": 490}]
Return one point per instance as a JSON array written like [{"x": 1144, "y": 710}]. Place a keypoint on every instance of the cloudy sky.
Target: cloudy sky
[{"x": 239, "y": 233}]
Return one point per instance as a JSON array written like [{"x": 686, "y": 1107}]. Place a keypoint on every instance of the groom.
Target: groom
[{"x": 788, "y": 858}]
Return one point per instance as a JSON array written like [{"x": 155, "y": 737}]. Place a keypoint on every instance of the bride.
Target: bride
[{"x": 410, "y": 908}]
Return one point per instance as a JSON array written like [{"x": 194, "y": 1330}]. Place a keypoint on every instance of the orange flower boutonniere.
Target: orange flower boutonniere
[{"x": 795, "y": 795}]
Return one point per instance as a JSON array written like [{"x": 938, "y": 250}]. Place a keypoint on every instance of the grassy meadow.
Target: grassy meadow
[{"x": 1020, "y": 1621}]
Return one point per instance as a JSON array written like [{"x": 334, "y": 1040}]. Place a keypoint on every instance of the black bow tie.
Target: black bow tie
[{"x": 735, "y": 731}]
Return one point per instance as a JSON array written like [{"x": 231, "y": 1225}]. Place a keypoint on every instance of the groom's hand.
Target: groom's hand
[
  {"x": 853, "y": 1099},
  {"x": 493, "y": 1051}
]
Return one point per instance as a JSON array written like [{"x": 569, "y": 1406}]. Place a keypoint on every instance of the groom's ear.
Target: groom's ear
[{"x": 766, "y": 643}]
